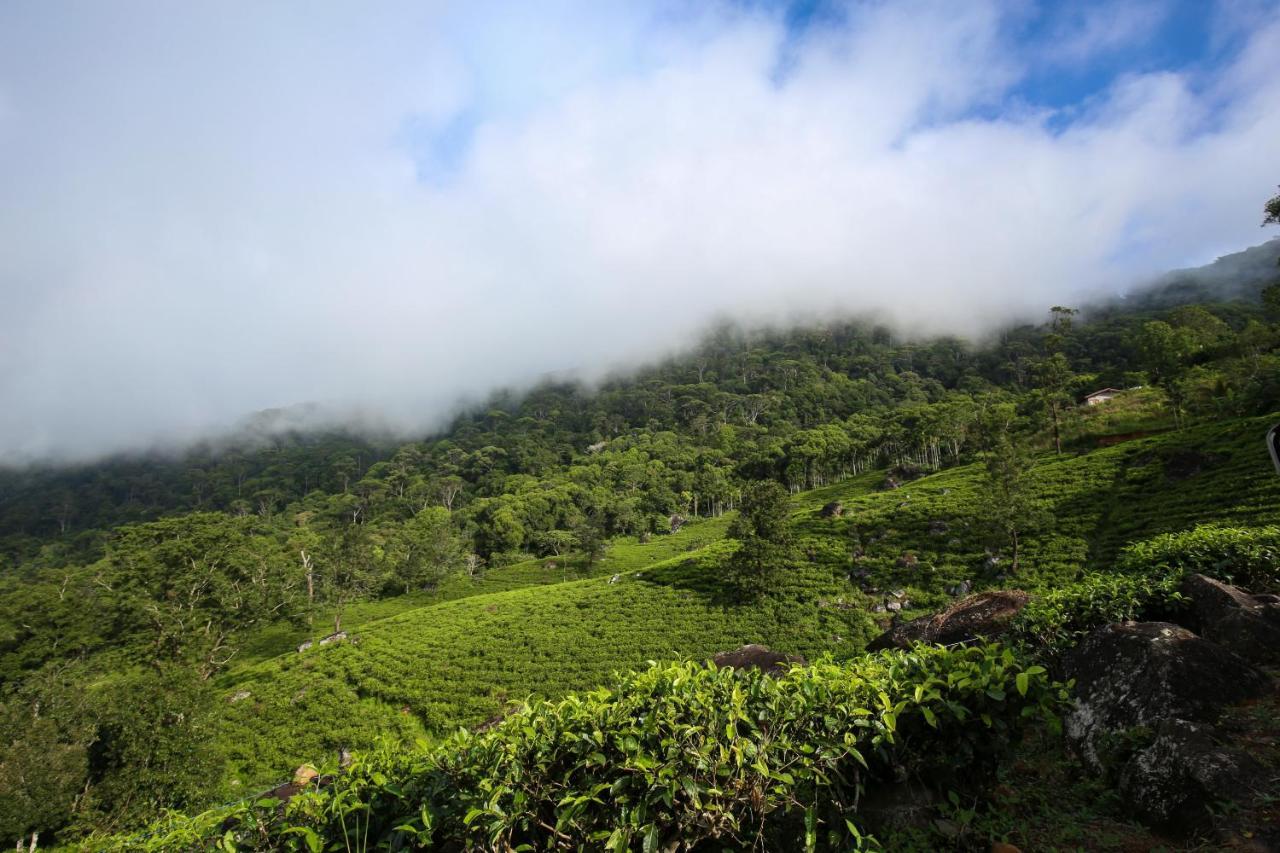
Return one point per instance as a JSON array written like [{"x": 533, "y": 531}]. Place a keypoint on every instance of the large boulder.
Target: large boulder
[
  {"x": 1173, "y": 782},
  {"x": 1248, "y": 625},
  {"x": 754, "y": 656},
  {"x": 835, "y": 509},
  {"x": 1131, "y": 674},
  {"x": 986, "y": 614}
]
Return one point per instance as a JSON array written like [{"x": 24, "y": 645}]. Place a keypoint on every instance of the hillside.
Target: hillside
[
  {"x": 799, "y": 488},
  {"x": 459, "y": 662}
]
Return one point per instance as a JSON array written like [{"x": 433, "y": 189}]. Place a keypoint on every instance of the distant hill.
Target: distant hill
[{"x": 1240, "y": 275}]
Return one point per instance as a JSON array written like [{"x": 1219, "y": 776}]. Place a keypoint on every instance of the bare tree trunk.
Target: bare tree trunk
[{"x": 311, "y": 585}]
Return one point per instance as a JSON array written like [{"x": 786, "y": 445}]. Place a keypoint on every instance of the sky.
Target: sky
[{"x": 209, "y": 209}]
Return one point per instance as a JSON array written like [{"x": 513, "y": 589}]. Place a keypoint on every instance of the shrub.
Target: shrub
[
  {"x": 667, "y": 758},
  {"x": 1247, "y": 556},
  {"x": 1056, "y": 620}
]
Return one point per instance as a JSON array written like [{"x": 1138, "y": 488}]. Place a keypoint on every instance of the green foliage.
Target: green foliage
[
  {"x": 1057, "y": 619},
  {"x": 1246, "y": 556},
  {"x": 1009, "y": 505},
  {"x": 1149, "y": 574},
  {"x": 463, "y": 661},
  {"x": 219, "y": 560},
  {"x": 667, "y": 758},
  {"x": 44, "y": 764},
  {"x": 764, "y": 532},
  {"x": 154, "y": 747}
]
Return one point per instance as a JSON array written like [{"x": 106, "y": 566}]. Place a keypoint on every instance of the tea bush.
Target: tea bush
[
  {"x": 664, "y": 759},
  {"x": 1246, "y": 556},
  {"x": 1056, "y": 620}
]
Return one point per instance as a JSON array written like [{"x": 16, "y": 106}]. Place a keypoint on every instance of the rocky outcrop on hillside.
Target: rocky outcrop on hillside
[
  {"x": 986, "y": 614},
  {"x": 1149, "y": 696},
  {"x": 755, "y": 656},
  {"x": 1248, "y": 625},
  {"x": 1137, "y": 674},
  {"x": 1185, "y": 767}
]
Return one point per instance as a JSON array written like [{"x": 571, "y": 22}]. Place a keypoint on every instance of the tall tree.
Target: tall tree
[
  {"x": 763, "y": 530},
  {"x": 1165, "y": 351},
  {"x": 1009, "y": 504},
  {"x": 347, "y": 570}
]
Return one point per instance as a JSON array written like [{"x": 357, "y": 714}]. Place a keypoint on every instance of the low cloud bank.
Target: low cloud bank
[{"x": 205, "y": 213}]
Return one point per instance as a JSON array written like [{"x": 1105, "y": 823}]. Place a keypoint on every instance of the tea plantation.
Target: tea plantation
[{"x": 525, "y": 631}]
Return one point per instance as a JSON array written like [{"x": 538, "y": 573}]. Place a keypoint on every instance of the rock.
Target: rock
[
  {"x": 239, "y": 696},
  {"x": 333, "y": 638},
  {"x": 614, "y": 579},
  {"x": 986, "y": 614},
  {"x": 835, "y": 509},
  {"x": 890, "y": 483},
  {"x": 306, "y": 644},
  {"x": 938, "y": 527},
  {"x": 962, "y": 588},
  {"x": 758, "y": 657},
  {"x": 1138, "y": 673},
  {"x": 893, "y": 606},
  {"x": 906, "y": 473},
  {"x": 1173, "y": 783},
  {"x": 1248, "y": 625},
  {"x": 908, "y": 560},
  {"x": 877, "y": 608},
  {"x": 303, "y": 775},
  {"x": 1001, "y": 847},
  {"x": 898, "y": 593}
]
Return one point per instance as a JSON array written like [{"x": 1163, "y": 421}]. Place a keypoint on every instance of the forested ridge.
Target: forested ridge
[{"x": 139, "y": 593}]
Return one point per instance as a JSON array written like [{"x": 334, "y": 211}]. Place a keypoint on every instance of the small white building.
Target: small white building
[{"x": 1101, "y": 396}]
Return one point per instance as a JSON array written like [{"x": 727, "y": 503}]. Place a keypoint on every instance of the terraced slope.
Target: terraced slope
[
  {"x": 625, "y": 555},
  {"x": 458, "y": 662},
  {"x": 929, "y": 534}
]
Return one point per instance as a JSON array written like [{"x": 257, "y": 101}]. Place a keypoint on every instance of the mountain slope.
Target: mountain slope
[{"x": 459, "y": 662}]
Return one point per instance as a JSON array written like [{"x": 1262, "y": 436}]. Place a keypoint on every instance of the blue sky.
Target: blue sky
[
  {"x": 213, "y": 208},
  {"x": 1067, "y": 56}
]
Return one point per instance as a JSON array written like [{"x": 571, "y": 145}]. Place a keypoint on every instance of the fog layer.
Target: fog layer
[{"x": 212, "y": 208}]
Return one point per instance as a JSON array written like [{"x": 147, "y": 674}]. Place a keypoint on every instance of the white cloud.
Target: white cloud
[
  {"x": 205, "y": 214},
  {"x": 1088, "y": 30}
]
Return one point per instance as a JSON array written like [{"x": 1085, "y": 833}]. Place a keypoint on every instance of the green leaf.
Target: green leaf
[{"x": 651, "y": 839}]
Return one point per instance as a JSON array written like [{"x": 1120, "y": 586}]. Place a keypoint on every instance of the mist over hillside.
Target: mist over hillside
[
  {"x": 1236, "y": 276},
  {"x": 385, "y": 213}
]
